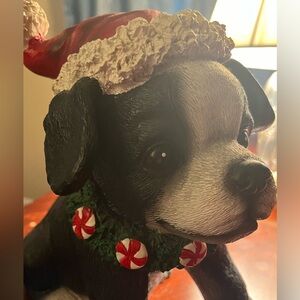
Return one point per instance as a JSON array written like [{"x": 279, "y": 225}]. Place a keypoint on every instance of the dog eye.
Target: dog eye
[
  {"x": 243, "y": 138},
  {"x": 160, "y": 159}
]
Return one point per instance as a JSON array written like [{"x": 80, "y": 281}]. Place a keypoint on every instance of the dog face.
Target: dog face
[{"x": 171, "y": 153}]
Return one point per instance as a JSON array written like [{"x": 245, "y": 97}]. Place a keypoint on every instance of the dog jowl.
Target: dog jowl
[{"x": 171, "y": 153}]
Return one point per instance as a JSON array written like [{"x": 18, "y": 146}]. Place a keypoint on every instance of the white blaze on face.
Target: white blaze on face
[{"x": 196, "y": 200}]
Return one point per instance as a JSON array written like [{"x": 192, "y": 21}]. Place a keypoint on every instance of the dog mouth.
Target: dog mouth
[{"x": 242, "y": 231}]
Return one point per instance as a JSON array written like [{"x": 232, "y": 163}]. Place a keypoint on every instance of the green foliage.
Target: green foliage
[{"x": 163, "y": 249}]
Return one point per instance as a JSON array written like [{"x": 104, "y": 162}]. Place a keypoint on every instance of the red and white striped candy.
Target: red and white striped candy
[
  {"x": 84, "y": 223},
  {"x": 131, "y": 254},
  {"x": 192, "y": 254}
]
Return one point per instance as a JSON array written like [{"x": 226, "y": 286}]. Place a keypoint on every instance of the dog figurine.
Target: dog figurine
[{"x": 169, "y": 155}]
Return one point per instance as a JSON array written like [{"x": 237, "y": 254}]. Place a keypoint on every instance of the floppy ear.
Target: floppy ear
[
  {"x": 71, "y": 136},
  {"x": 260, "y": 108}
]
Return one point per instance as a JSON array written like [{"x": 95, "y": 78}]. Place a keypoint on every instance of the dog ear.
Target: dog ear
[
  {"x": 259, "y": 105},
  {"x": 71, "y": 136}
]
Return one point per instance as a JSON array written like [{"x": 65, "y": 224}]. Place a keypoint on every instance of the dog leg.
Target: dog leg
[
  {"x": 39, "y": 275},
  {"x": 217, "y": 277},
  {"x": 40, "y": 272}
]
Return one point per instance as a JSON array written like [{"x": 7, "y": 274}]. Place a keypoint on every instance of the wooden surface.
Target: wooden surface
[{"x": 255, "y": 257}]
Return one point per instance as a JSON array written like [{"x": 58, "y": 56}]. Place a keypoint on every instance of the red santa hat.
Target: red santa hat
[{"x": 120, "y": 50}]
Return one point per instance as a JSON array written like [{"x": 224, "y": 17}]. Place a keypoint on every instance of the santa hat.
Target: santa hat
[{"x": 120, "y": 50}]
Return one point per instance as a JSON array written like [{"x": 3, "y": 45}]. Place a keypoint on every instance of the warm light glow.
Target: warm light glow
[
  {"x": 32, "y": 224},
  {"x": 248, "y": 22},
  {"x": 266, "y": 33},
  {"x": 256, "y": 57}
]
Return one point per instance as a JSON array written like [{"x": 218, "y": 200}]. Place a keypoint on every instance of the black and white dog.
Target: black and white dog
[{"x": 207, "y": 186}]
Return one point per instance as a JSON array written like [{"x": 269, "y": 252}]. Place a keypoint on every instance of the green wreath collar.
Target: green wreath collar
[{"x": 103, "y": 231}]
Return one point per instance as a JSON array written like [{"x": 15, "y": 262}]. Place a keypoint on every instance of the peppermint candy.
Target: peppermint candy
[
  {"x": 192, "y": 254},
  {"x": 84, "y": 223},
  {"x": 131, "y": 254}
]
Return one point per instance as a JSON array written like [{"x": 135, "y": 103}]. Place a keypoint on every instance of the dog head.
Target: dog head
[{"x": 171, "y": 153}]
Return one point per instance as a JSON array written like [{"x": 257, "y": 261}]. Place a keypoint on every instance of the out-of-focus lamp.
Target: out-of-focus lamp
[{"x": 253, "y": 27}]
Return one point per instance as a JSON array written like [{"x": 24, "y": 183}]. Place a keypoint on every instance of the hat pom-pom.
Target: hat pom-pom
[{"x": 35, "y": 21}]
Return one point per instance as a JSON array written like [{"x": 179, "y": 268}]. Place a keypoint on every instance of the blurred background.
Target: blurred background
[{"x": 251, "y": 24}]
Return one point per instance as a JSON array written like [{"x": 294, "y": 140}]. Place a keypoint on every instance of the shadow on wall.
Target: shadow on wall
[{"x": 37, "y": 94}]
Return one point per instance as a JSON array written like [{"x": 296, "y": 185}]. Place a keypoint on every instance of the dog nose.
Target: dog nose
[{"x": 249, "y": 177}]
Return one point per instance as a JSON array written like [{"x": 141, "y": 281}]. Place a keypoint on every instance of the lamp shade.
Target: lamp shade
[{"x": 250, "y": 23}]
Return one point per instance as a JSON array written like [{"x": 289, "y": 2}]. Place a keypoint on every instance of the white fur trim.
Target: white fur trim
[
  {"x": 34, "y": 21},
  {"x": 128, "y": 59}
]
